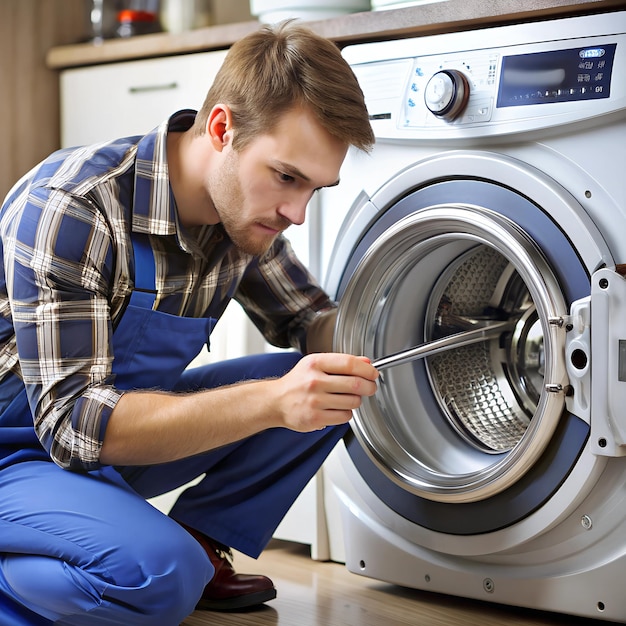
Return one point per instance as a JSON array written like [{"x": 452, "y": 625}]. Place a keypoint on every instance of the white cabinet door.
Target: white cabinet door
[{"x": 122, "y": 99}]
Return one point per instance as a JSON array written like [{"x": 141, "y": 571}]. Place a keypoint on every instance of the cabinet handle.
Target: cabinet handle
[{"x": 145, "y": 88}]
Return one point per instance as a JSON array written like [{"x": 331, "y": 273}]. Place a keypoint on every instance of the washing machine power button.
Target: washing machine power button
[{"x": 446, "y": 94}]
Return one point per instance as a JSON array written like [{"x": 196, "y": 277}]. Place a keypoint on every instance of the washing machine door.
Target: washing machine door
[{"x": 459, "y": 287}]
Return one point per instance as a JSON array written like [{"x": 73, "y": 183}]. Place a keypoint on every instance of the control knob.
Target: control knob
[{"x": 447, "y": 93}]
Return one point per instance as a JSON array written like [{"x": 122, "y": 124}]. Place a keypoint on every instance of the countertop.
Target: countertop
[{"x": 426, "y": 19}]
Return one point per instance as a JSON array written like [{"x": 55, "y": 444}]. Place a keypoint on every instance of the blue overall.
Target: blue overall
[{"x": 87, "y": 549}]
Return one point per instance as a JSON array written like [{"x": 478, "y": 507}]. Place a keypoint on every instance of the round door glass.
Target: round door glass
[{"x": 461, "y": 313}]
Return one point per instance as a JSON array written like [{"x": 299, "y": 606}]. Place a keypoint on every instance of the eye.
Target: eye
[{"x": 284, "y": 178}]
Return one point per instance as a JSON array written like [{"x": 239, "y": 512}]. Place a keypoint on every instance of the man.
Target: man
[{"x": 118, "y": 260}]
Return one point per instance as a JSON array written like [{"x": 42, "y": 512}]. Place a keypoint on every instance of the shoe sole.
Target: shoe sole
[{"x": 238, "y": 602}]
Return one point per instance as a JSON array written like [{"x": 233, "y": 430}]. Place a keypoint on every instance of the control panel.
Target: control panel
[{"x": 466, "y": 88}]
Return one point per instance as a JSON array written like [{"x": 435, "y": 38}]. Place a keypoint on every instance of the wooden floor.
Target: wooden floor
[{"x": 312, "y": 593}]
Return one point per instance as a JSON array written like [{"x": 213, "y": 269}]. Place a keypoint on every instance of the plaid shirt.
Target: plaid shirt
[{"x": 68, "y": 273}]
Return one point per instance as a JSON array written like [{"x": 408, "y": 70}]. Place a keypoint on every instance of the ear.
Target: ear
[{"x": 220, "y": 126}]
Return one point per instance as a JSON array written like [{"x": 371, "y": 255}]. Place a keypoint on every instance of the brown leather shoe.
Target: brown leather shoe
[{"x": 229, "y": 591}]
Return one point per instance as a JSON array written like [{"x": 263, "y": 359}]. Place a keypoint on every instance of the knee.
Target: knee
[
  {"x": 155, "y": 581},
  {"x": 172, "y": 578},
  {"x": 252, "y": 367},
  {"x": 273, "y": 364}
]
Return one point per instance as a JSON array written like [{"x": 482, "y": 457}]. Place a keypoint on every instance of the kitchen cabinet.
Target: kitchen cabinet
[
  {"x": 104, "y": 102},
  {"x": 108, "y": 101}
]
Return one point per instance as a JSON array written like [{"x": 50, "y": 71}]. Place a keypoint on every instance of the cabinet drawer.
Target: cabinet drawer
[{"x": 109, "y": 101}]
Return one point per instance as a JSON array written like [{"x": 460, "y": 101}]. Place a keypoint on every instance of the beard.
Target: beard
[
  {"x": 241, "y": 236},
  {"x": 228, "y": 199}
]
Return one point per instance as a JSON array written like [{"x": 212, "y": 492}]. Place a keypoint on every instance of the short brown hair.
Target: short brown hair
[{"x": 280, "y": 67}]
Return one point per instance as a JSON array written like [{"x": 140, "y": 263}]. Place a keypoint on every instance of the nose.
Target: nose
[{"x": 295, "y": 210}]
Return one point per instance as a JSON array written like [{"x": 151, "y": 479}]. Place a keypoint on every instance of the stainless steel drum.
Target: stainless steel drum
[{"x": 463, "y": 294}]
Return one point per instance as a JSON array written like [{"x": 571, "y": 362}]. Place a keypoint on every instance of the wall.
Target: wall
[
  {"x": 29, "y": 92},
  {"x": 231, "y": 11}
]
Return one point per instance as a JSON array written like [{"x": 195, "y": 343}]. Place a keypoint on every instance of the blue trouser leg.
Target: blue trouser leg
[
  {"x": 85, "y": 550},
  {"x": 249, "y": 485},
  {"x": 12, "y": 614}
]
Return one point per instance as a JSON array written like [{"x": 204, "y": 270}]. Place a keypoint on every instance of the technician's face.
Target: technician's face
[{"x": 261, "y": 190}]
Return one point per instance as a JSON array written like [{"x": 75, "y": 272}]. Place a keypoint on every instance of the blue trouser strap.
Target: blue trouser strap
[{"x": 144, "y": 292}]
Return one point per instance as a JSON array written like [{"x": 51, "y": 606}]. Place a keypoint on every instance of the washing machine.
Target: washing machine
[{"x": 479, "y": 266}]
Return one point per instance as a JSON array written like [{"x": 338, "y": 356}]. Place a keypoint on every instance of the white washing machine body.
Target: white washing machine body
[{"x": 479, "y": 266}]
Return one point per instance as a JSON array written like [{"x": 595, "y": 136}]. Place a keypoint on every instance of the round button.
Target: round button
[
  {"x": 446, "y": 94},
  {"x": 439, "y": 92}
]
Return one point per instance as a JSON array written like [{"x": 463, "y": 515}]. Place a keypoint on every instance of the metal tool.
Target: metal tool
[{"x": 464, "y": 338}]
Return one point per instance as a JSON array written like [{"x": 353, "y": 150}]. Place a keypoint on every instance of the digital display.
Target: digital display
[{"x": 556, "y": 76}]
